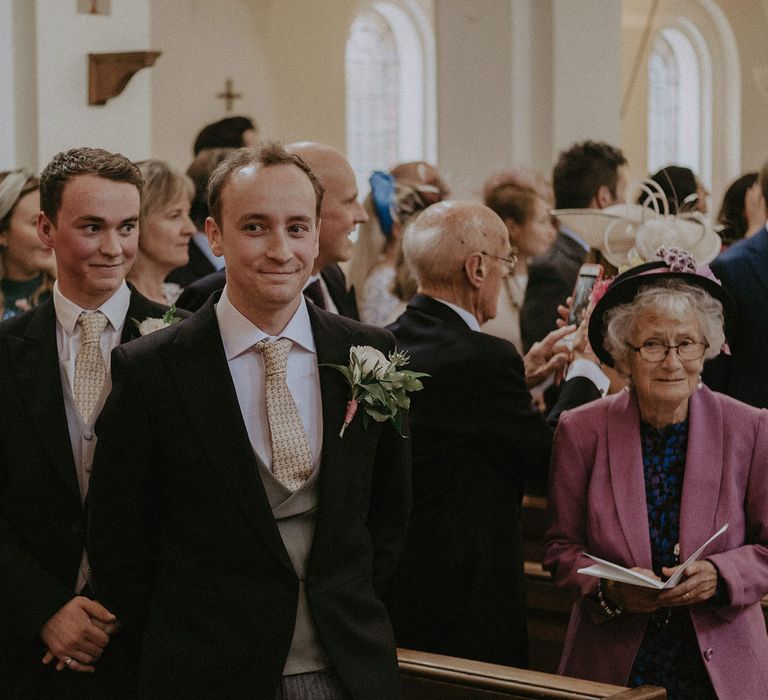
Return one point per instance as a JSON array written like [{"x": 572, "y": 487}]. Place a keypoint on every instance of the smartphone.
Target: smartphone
[{"x": 589, "y": 273}]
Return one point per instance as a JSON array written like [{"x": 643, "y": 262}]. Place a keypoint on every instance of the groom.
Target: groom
[{"x": 242, "y": 543}]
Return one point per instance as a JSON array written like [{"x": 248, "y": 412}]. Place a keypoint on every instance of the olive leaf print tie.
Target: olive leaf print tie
[
  {"x": 90, "y": 370},
  {"x": 291, "y": 455}
]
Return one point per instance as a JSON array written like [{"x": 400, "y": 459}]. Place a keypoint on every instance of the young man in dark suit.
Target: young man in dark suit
[
  {"x": 243, "y": 543},
  {"x": 589, "y": 175},
  {"x": 53, "y": 382},
  {"x": 341, "y": 213},
  {"x": 459, "y": 588}
]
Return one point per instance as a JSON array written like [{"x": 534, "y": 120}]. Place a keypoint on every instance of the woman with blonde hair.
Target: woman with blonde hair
[
  {"x": 520, "y": 199},
  {"x": 27, "y": 266},
  {"x": 377, "y": 270},
  {"x": 165, "y": 230}
]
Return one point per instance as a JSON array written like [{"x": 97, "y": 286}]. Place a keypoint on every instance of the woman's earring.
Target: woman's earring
[
  {"x": 628, "y": 385},
  {"x": 700, "y": 384}
]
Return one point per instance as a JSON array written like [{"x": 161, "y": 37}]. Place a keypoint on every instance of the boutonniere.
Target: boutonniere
[
  {"x": 150, "y": 324},
  {"x": 378, "y": 383}
]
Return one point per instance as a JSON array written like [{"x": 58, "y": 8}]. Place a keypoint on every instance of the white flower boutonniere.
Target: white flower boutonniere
[
  {"x": 150, "y": 324},
  {"x": 379, "y": 385}
]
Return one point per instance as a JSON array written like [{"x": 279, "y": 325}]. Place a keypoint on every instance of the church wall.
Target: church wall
[
  {"x": 307, "y": 44},
  {"x": 64, "y": 118},
  {"x": 205, "y": 43},
  {"x": 749, "y": 19},
  {"x": 286, "y": 58},
  {"x": 18, "y": 103},
  {"x": 474, "y": 96},
  {"x": 586, "y": 66}
]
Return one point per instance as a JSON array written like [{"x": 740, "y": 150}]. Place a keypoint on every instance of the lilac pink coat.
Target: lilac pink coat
[{"x": 597, "y": 505}]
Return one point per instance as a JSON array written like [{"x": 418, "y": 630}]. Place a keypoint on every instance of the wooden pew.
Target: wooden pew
[{"x": 434, "y": 677}]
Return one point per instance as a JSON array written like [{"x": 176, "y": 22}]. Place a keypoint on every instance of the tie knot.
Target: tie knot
[
  {"x": 275, "y": 354},
  {"x": 92, "y": 324}
]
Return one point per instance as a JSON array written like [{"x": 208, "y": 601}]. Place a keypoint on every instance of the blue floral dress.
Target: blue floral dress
[{"x": 669, "y": 655}]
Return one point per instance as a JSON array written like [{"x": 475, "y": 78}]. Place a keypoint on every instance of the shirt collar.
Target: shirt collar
[
  {"x": 239, "y": 335},
  {"x": 115, "y": 308},
  {"x": 467, "y": 317}
]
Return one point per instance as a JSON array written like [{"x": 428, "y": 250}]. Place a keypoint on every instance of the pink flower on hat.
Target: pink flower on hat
[{"x": 677, "y": 259}]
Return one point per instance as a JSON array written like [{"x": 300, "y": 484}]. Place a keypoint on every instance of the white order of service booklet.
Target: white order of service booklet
[{"x": 614, "y": 572}]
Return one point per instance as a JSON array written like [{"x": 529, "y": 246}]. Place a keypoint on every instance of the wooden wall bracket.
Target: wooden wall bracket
[{"x": 109, "y": 73}]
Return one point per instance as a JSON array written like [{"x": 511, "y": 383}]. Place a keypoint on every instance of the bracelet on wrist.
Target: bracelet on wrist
[{"x": 611, "y": 611}]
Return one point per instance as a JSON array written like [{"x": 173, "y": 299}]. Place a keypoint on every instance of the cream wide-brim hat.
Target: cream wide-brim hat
[{"x": 629, "y": 234}]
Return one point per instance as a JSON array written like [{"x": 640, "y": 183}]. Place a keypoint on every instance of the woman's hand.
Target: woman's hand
[
  {"x": 636, "y": 599},
  {"x": 698, "y": 586}
]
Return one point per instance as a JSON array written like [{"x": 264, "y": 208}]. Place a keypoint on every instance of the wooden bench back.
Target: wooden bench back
[{"x": 435, "y": 677}]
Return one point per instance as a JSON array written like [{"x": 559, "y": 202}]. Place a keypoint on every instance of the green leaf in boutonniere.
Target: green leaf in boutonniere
[
  {"x": 150, "y": 324},
  {"x": 378, "y": 383}
]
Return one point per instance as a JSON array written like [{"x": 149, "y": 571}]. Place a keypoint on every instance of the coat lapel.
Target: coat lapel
[
  {"x": 198, "y": 366},
  {"x": 627, "y": 479},
  {"x": 339, "y": 455},
  {"x": 703, "y": 473},
  {"x": 34, "y": 361}
]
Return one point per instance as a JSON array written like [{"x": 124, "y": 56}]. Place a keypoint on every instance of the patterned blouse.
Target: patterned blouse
[{"x": 669, "y": 655}]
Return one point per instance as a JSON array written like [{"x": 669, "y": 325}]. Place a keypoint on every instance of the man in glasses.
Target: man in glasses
[{"x": 476, "y": 440}]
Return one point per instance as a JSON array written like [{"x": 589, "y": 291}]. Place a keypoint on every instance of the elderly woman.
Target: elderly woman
[
  {"x": 164, "y": 231},
  {"x": 643, "y": 478},
  {"x": 27, "y": 266}
]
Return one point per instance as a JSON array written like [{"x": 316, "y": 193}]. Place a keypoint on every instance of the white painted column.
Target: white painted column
[{"x": 587, "y": 72}]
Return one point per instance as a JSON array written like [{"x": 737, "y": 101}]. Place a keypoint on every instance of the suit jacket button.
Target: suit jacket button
[
  {"x": 88, "y": 434},
  {"x": 77, "y": 526},
  {"x": 708, "y": 654}
]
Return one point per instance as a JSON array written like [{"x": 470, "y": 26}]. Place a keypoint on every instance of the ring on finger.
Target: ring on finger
[{"x": 68, "y": 660}]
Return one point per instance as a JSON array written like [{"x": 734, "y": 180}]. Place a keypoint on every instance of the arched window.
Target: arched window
[
  {"x": 679, "y": 101},
  {"x": 390, "y": 88},
  {"x": 676, "y": 103},
  {"x": 373, "y": 108}
]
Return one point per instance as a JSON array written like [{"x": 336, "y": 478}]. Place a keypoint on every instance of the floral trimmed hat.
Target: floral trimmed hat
[{"x": 672, "y": 263}]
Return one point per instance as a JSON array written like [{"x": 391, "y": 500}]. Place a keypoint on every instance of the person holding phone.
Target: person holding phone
[{"x": 643, "y": 478}]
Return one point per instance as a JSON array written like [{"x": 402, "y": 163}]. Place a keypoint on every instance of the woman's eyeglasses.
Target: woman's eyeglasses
[{"x": 656, "y": 351}]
